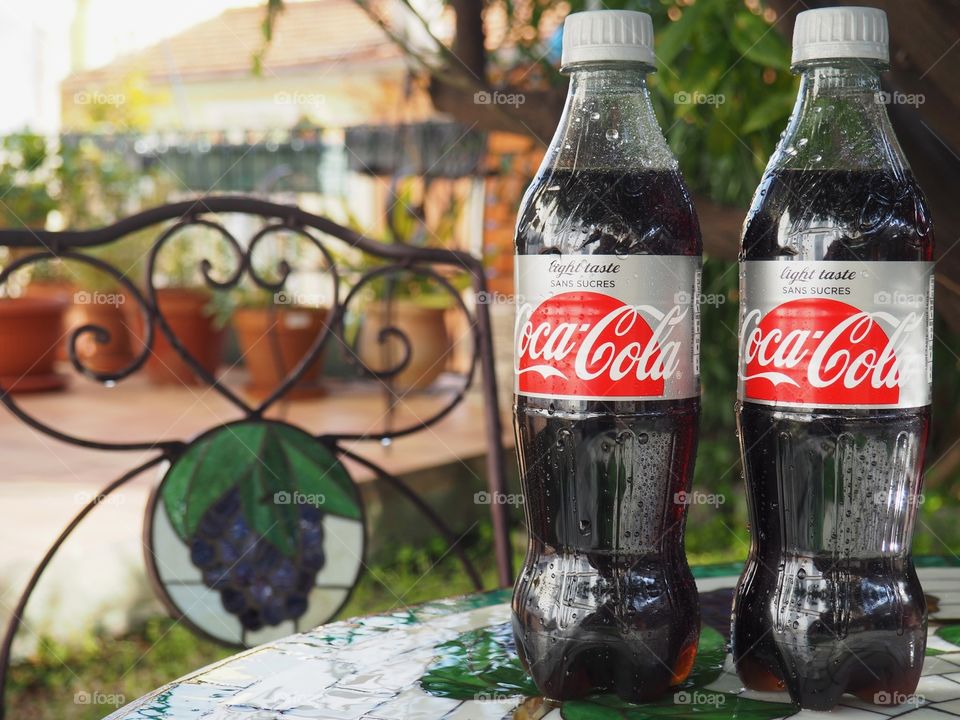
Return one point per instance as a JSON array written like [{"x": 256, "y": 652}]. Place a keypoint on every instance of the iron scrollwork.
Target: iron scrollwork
[{"x": 290, "y": 445}]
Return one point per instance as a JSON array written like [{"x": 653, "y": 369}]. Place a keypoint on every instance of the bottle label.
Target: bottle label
[
  {"x": 597, "y": 327},
  {"x": 835, "y": 334}
]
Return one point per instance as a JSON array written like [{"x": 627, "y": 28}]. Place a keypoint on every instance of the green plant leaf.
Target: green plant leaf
[
  {"x": 478, "y": 661},
  {"x": 676, "y": 35},
  {"x": 274, "y": 466},
  {"x": 699, "y": 704},
  {"x": 759, "y": 42},
  {"x": 769, "y": 112},
  {"x": 950, "y": 633}
]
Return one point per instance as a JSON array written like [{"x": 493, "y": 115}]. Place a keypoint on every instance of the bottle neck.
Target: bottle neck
[
  {"x": 839, "y": 121},
  {"x": 608, "y": 122}
]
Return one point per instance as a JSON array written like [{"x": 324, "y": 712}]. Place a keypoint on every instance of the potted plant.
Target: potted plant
[
  {"x": 31, "y": 326},
  {"x": 274, "y": 333},
  {"x": 196, "y": 315},
  {"x": 99, "y": 301},
  {"x": 31, "y": 331},
  {"x": 413, "y": 305},
  {"x": 416, "y": 311},
  {"x": 275, "y": 330}
]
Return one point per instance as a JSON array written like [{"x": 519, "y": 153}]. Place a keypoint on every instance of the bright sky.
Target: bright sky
[{"x": 35, "y": 38}]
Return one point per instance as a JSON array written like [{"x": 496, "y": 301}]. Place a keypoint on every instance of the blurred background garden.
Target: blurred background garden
[{"x": 416, "y": 121}]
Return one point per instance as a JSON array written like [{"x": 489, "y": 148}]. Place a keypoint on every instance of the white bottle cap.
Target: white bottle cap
[
  {"x": 841, "y": 32},
  {"x": 607, "y": 35}
]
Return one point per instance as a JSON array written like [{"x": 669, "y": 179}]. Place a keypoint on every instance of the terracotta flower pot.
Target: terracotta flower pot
[
  {"x": 104, "y": 310},
  {"x": 273, "y": 341},
  {"x": 425, "y": 328},
  {"x": 185, "y": 310},
  {"x": 60, "y": 290},
  {"x": 31, "y": 330}
]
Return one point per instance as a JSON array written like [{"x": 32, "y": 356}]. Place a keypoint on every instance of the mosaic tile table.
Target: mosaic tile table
[{"x": 454, "y": 659}]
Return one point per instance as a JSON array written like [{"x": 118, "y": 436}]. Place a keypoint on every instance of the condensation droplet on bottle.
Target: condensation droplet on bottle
[
  {"x": 594, "y": 116},
  {"x": 802, "y": 141},
  {"x": 613, "y": 134},
  {"x": 642, "y": 438},
  {"x": 816, "y": 158}
]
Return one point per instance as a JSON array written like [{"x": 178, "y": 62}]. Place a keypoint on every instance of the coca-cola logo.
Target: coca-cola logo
[
  {"x": 587, "y": 344},
  {"x": 823, "y": 351}
]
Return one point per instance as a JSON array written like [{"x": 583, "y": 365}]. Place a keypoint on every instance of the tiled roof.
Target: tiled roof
[{"x": 313, "y": 34}]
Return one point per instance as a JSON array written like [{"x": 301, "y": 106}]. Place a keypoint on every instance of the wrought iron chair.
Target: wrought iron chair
[{"x": 224, "y": 503}]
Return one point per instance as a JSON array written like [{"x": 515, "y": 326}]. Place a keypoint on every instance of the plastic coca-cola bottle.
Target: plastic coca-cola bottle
[
  {"x": 834, "y": 394},
  {"x": 607, "y": 387}
]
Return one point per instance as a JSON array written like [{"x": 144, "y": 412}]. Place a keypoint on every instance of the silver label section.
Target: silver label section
[
  {"x": 834, "y": 334},
  {"x": 600, "y": 327}
]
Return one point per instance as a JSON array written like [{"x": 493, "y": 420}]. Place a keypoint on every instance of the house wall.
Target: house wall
[{"x": 328, "y": 96}]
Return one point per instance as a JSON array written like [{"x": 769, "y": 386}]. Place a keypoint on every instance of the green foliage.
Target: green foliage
[
  {"x": 268, "y": 463},
  {"x": 94, "y": 186},
  {"x": 407, "y": 224},
  {"x": 723, "y": 92},
  {"x": 723, "y": 89},
  {"x": 81, "y": 186},
  {"x": 718, "y": 532},
  {"x": 25, "y": 170},
  {"x": 53, "y": 684}
]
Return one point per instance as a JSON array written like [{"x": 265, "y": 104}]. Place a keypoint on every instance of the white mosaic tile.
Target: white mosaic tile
[
  {"x": 250, "y": 668},
  {"x": 938, "y": 689},
  {"x": 484, "y": 710},
  {"x": 294, "y": 686},
  {"x": 414, "y": 704},
  {"x": 337, "y": 703}
]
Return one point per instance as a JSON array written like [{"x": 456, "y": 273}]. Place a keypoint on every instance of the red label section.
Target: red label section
[
  {"x": 820, "y": 351},
  {"x": 586, "y": 344}
]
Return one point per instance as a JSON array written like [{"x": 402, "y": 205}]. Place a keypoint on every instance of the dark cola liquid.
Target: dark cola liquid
[
  {"x": 829, "y": 601},
  {"x": 605, "y": 600}
]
